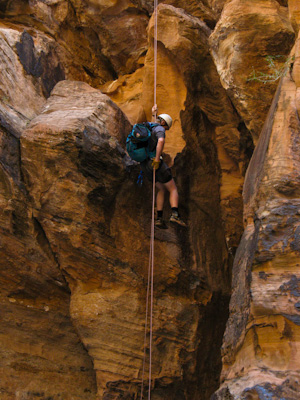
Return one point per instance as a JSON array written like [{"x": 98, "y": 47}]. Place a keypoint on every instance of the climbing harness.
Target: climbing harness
[{"x": 151, "y": 253}]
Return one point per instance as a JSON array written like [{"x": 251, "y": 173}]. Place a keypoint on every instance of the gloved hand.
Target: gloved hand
[{"x": 155, "y": 164}]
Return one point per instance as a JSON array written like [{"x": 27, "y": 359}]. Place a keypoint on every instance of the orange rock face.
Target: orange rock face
[
  {"x": 89, "y": 212},
  {"x": 261, "y": 340},
  {"x": 245, "y": 35},
  {"x": 75, "y": 226}
]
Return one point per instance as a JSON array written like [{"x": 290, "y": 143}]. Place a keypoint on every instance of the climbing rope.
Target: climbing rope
[
  {"x": 153, "y": 205},
  {"x": 150, "y": 288},
  {"x": 155, "y": 48},
  {"x": 149, "y": 291},
  {"x": 151, "y": 285}
]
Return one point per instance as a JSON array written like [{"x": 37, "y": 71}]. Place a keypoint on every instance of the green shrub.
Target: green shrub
[{"x": 277, "y": 65}]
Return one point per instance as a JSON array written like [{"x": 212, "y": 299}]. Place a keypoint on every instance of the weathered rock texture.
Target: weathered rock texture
[
  {"x": 261, "y": 345},
  {"x": 247, "y": 32},
  {"x": 74, "y": 226}
]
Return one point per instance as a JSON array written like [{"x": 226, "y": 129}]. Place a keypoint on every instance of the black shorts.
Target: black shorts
[{"x": 163, "y": 174}]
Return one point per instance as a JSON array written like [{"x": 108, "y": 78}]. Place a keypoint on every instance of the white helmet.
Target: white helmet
[{"x": 166, "y": 118}]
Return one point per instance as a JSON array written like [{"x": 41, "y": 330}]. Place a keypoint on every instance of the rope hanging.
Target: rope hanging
[
  {"x": 149, "y": 291},
  {"x": 151, "y": 253},
  {"x": 151, "y": 285},
  {"x": 155, "y": 48}
]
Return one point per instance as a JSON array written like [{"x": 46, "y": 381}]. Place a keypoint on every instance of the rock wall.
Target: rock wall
[
  {"x": 75, "y": 227},
  {"x": 261, "y": 340}
]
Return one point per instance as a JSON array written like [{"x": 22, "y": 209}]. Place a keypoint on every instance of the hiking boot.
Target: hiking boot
[
  {"x": 177, "y": 220},
  {"x": 160, "y": 223}
]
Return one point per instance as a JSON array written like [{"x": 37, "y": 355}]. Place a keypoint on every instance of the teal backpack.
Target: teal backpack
[{"x": 137, "y": 142}]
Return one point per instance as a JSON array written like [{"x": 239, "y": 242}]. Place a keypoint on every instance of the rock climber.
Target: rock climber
[{"x": 163, "y": 175}]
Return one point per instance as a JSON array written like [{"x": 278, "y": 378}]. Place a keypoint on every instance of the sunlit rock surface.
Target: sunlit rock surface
[
  {"x": 99, "y": 229},
  {"x": 294, "y": 13},
  {"x": 188, "y": 81},
  {"x": 261, "y": 341},
  {"x": 247, "y": 33},
  {"x": 75, "y": 227}
]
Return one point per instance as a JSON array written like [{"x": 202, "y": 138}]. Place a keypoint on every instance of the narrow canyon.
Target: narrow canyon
[{"x": 75, "y": 76}]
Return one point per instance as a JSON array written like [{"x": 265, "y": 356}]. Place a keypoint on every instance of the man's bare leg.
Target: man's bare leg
[
  {"x": 160, "y": 197},
  {"x": 172, "y": 189},
  {"x": 174, "y": 199}
]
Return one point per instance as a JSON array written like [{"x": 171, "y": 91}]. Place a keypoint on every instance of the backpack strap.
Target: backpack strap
[{"x": 151, "y": 125}]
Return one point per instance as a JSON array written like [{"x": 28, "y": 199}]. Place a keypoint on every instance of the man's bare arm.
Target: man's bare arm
[{"x": 159, "y": 148}]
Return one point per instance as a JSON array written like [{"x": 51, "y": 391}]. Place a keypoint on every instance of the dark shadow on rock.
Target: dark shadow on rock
[{"x": 44, "y": 66}]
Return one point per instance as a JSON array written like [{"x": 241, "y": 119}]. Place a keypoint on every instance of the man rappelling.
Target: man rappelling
[{"x": 148, "y": 151}]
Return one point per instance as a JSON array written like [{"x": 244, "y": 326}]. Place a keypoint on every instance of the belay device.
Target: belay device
[{"x": 137, "y": 144}]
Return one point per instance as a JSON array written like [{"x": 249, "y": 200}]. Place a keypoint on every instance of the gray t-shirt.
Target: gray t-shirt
[{"x": 156, "y": 133}]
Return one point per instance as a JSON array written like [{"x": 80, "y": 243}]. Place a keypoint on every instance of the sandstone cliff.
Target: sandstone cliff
[{"x": 75, "y": 226}]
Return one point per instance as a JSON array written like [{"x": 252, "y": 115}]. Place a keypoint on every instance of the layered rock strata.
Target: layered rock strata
[
  {"x": 41, "y": 354},
  {"x": 261, "y": 340},
  {"x": 75, "y": 226},
  {"x": 247, "y": 34},
  {"x": 98, "y": 227}
]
